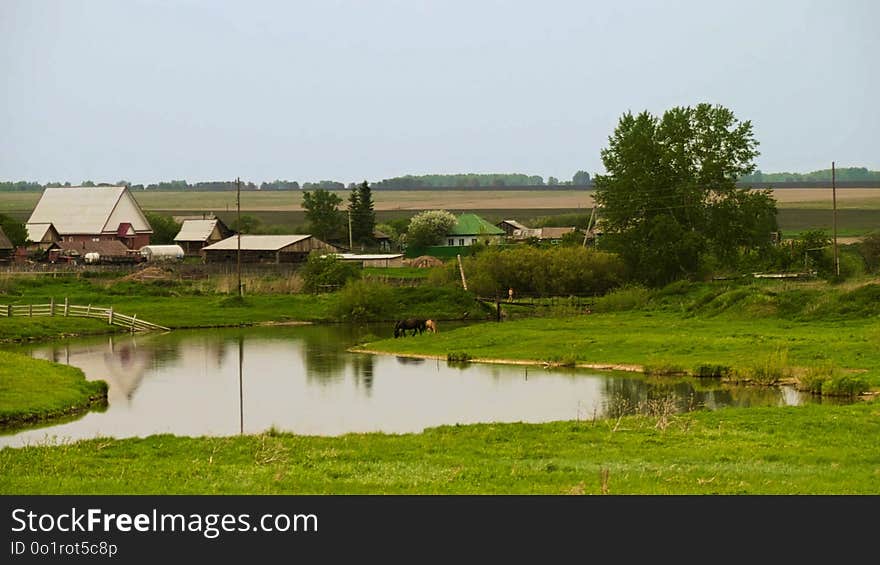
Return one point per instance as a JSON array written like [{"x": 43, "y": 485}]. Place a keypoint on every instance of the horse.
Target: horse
[
  {"x": 414, "y": 324},
  {"x": 431, "y": 326}
]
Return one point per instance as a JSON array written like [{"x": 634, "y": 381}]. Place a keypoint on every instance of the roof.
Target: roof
[
  {"x": 256, "y": 242},
  {"x": 555, "y": 233},
  {"x": 370, "y": 256},
  {"x": 471, "y": 224},
  {"x": 36, "y": 232},
  {"x": 196, "y": 230},
  {"x": 104, "y": 248},
  {"x": 87, "y": 210},
  {"x": 380, "y": 235},
  {"x": 4, "y": 241},
  {"x": 514, "y": 224}
]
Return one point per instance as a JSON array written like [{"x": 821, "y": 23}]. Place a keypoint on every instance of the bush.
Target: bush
[
  {"x": 626, "y": 298},
  {"x": 326, "y": 272},
  {"x": 364, "y": 301},
  {"x": 556, "y": 271},
  {"x": 828, "y": 380},
  {"x": 710, "y": 371}
]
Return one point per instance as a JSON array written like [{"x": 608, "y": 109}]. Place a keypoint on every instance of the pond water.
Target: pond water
[{"x": 301, "y": 379}]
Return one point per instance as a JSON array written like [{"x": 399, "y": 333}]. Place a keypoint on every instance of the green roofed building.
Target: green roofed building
[{"x": 471, "y": 229}]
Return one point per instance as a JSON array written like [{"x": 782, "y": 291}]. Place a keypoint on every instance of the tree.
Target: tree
[
  {"x": 428, "y": 227},
  {"x": 552, "y": 181},
  {"x": 581, "y": 178},
  {"x": 669, "y": 199},
  {"x": 363, "y": 218},
  {"x": 247, "y": 224},
  {"x": 14, "y": 230},
  {"x": 322, "y": 212},
  {"x": 165, "y": 228}
]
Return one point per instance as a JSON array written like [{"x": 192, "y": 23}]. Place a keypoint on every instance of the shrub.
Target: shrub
[
  {"x": 458, "y": 357},
  {"x": 771, "y": 370},
  {"x": 324, "y": 272},
  {"x": 828, "y": 380},
  {"x": 366, "y": 300},
  {"x": 627, "y": 298}
]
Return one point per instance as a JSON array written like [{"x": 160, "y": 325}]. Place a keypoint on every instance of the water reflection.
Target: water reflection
[{"x": 301, "y": 379}]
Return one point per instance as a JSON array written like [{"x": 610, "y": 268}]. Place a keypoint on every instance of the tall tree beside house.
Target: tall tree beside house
[
  {"x": 322, "y": 212},
  {"x": 581, "y": 178},
  {"x": 165, "y": 228},
  {"x": 428, "y": 227},
  {"x": 669, "y": 202},
  {"x": 14, "y": 230},
  {"x": 363, "y": 218}
]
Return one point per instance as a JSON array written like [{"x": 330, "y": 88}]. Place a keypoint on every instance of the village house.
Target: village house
[
  {"x": 196, "y": 234},
  {"x": 471, "y": 229},
  {"x": 89, "y": 214},
  {"x": 265, "y": 249},
  {"x": 545, "y": 235},
  {"x": 510, "y": 226}
]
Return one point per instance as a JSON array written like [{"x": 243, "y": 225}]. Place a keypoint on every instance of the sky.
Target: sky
[{"x": 201, "y": 90}]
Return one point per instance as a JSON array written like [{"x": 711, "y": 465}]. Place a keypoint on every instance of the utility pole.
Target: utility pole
[
  {"x": 350, "y": 243},
  {"x": 238, "y": 253},
  {"x": 834, "y": 220}
]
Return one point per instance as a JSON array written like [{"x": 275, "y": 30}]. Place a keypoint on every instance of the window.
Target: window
[
  {"x": 461, "y": 241},
  {"x": 473, "y": 241},
  {"x": 451, "y": 242}
]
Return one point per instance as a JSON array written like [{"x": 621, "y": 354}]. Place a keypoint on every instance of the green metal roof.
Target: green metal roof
[{"x": 471, "y": 224}]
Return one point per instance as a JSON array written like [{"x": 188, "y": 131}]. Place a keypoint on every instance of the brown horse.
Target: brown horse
[
  {"x": 414, "y": 324},
  {"x": 431, "y": 326}
]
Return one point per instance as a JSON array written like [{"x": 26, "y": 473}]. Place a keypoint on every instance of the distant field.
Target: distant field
[{"x": 800, "y": 209}]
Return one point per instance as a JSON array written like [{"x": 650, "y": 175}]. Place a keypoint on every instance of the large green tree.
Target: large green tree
[
  {"x": 363, "y": 217},
  {"x": 322, "y": 212},
  {"x": 165, "y": 228},
  {"x": 428, "y": 227},
  {"x": 668, "y": 200}
]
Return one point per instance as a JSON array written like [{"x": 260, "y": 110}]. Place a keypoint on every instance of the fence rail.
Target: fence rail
[{"x": 65, "y": 309}]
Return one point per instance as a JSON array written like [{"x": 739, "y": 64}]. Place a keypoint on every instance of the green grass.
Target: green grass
[
  {"x": 184, "y": 305},
  {"x": 33, "y": 390},
  {"x": 740, "y": 327},
  {"x": 396, "y": 272},
  {"x": 795, "y": 450}
]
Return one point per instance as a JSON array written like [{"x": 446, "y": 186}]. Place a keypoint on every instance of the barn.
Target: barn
[
  {"x": 91, "y": 213},
  {"x": 196, "y": 234},
  {"x": 374, "y": 259},
  {"x": 266, "y": 249}
]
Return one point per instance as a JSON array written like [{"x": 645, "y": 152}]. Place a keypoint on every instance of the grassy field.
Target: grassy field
[
  {"x": 33, "y": 390},
  {"x": 811, "y": 327},
  {"x": 812, "y": 449}
]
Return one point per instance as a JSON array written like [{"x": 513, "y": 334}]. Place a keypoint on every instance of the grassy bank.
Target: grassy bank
[
  {"x": 33, "y": 390},
  {"x": 795, "y": 450},
  {"x": 803, "y": 328},
  {"x": 190, "y": 304}
]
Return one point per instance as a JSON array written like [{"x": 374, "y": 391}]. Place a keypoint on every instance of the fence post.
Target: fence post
[
  {"x": 30, "y": 310},
  {"x": 66, "y": 306},
  {"x": 132, "y": 322},
  {"x": 8, "y": 310},
  {"x": 88, "y": 310},
  {"x": 52, "y": 306},
  {"x": 110, "y": 316}
]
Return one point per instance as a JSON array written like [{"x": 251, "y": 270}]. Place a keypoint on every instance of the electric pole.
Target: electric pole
[
  {"x": 350, "y": 243},
  {"x": 238, "y": 253},
  {"x": 834, "y": 220}
]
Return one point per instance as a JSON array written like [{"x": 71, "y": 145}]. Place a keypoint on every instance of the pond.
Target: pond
[{"x": 301, "y": 379}]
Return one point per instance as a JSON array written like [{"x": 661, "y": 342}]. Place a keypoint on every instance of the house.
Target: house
[
  {"x": 42, "y": 236},
  {"x": 7, "y": 250},
  {"x": 196, "y": 234},
  {"x": 545, "y": 235},
  {"x": 510, "y": 226},
  {"x": 99, "y": 213},
  {"x": 265, "y": 249},
  {"x": 470, "y": 229}
]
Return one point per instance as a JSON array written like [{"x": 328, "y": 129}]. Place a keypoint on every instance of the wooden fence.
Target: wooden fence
[{"x": 72, "y": 310}]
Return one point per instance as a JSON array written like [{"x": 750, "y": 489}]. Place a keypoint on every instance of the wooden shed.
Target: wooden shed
[
  {"x": 6, "y": 248},
  {"x": 374, "y": 259},
  {"x": 265, "y": 249},
  {"x": 195, "y": 234}
]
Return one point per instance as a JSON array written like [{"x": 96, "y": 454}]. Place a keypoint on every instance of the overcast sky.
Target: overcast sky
[{"x": 353, "y": 90}]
